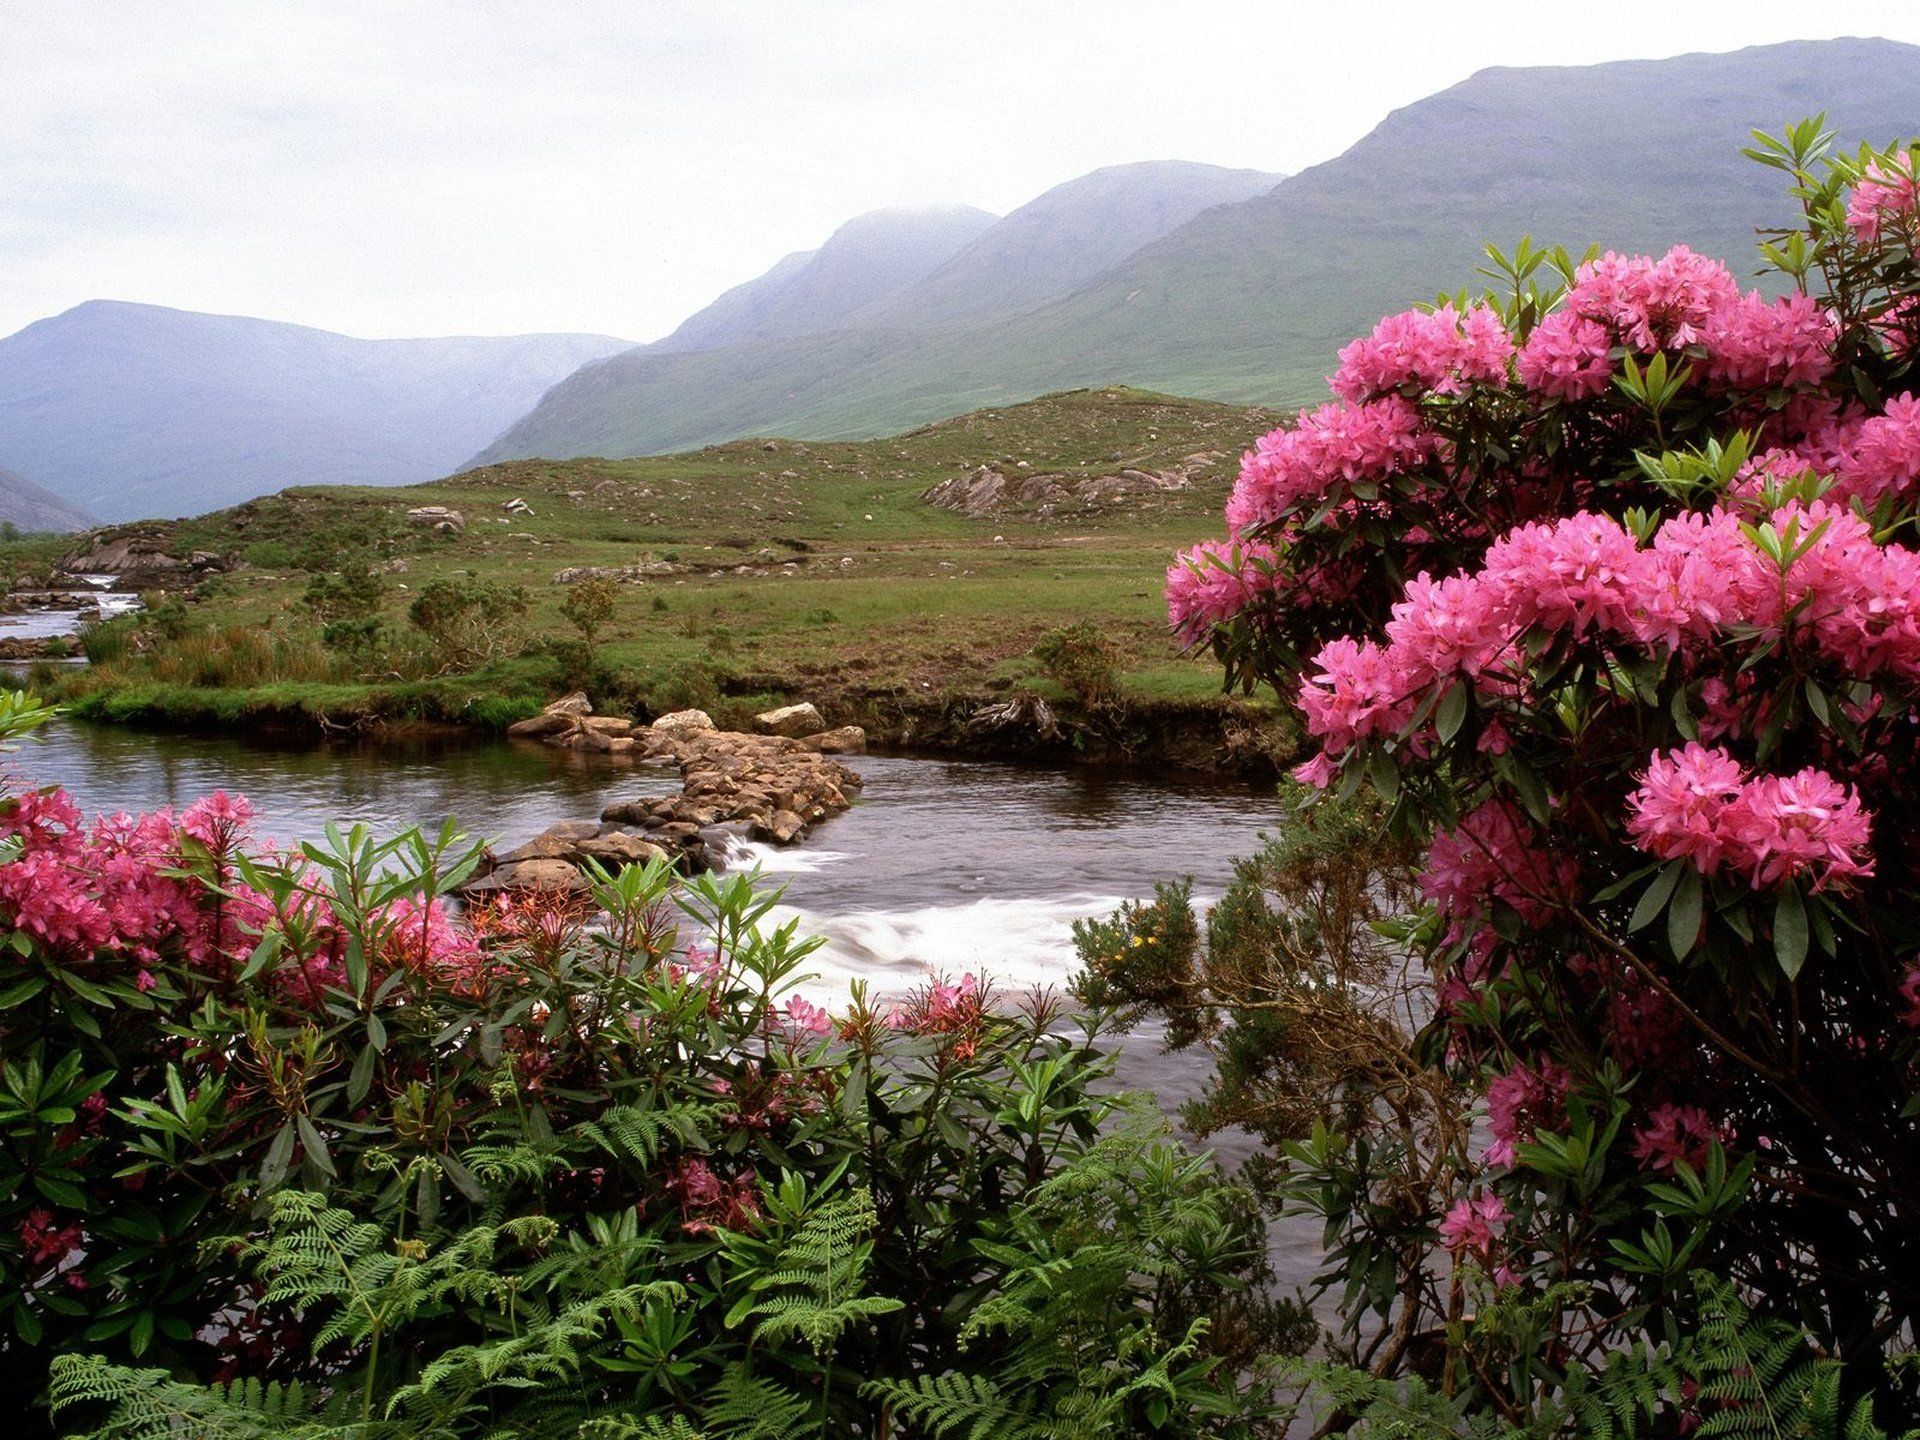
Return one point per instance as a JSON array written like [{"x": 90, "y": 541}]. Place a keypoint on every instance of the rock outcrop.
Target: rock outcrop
[
  {"x": 990, "y": 490},
  {"x": 771, "y": 787}
]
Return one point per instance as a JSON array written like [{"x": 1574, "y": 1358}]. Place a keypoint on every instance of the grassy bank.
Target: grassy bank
[{"x": 749, "y": 573}]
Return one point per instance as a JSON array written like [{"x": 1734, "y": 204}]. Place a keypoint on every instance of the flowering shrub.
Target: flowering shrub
[
  {"x": 303, "y": 1120},
  {"x": 1606, "y": 582}
]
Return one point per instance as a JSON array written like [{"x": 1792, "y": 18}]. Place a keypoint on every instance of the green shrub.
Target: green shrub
[{"x": 1081, "y": 661}]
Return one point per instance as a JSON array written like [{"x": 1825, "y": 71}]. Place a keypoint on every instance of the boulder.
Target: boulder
[
  {"x": 621, "y": 848},
  {"x": 607, "y": 724},
  {"x": 541, "y": 874},
  {"x": 792, "y": 721},
  {"x": 539, "y": 727},
  {"x": 574, "y": 704},
  {"x": 439, "y": 517},
  {"x": 847, "y": 740},
  {"x": 783, "y": 829},
  {"x": 682, "y": 722}
]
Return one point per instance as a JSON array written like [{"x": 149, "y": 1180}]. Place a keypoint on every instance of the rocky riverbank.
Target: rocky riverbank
[{"x": 773, "y": 785}]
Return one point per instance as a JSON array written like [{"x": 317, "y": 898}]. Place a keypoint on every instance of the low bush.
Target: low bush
[{"x": 287, "y": 1146}]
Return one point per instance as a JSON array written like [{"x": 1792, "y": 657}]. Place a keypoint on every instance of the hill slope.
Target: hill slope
[
  {"x": 866, "y": 261},
  {"x": 1249, "y": 302},
  {"x": 29, "y": 508},
  {"x": 129, "y": 410}
]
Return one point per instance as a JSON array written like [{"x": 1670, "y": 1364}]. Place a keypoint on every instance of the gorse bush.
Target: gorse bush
[
  {"x": 291, "y": 1145},
  {"x": 1603, "y": 583}
]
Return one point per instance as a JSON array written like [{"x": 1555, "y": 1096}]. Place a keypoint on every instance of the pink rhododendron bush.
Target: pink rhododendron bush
[
  {"x": 1607, "y": 582},
  {"x": 301, "y": 1119}
]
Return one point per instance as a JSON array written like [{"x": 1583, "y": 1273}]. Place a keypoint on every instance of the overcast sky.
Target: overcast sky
[{"x": 427, "y": 167}]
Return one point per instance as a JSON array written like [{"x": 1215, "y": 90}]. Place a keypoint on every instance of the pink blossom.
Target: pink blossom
[
  {"x": 1673, "y": 1134},
  {"x": 1883, "y": 198},
  {"x": 1567, "y": 357},
  {"x": 1520, "y": 1104},
  {"x": 1215, "y": 581},
  {"x": 1437, "y": 350},
  {"x": 808, "y": 1018},
  {"x": 1336, "y": 444},
  {"x": 1754, "y": 343},
  {"x": 1698, "y": 804},
  {"x": 1496, "y": 854},
  {"x": 1663, "y": 304},
  {"x": 1474, "y": 1227}
]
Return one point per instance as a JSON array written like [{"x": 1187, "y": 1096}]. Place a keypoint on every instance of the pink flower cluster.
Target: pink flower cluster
[
  {"x": 708, "y": 1203},
  {"x": 1681, "y": 299},
  {"x": 1440, "y": 351},
  {"x": 1699, "y": 804},
  {"x": 1474, "y": 1229},
  {"x": 1215, "y": 581},
  {"x": 1335, "y": 443},
  {"x": 1673, "y": 1134},
  {"x": 1701, "y": 578},
  {"x": 1872, "y": 458},
  {"x": 1567, "y": 357},
  {"x": 112, "y": 889},
  {"x": 1885, "y": 198},
  {"x": 1520, "y": 1104},
  {"x": 1649, "y": 304},
  {"x": 1494, "y": 854},
  {"x": 1754, "y": 343}
]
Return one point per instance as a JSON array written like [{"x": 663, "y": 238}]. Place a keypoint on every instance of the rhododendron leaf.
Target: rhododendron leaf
[
  {"x": 1790, "y": 931},
  {"x": 1452, "y": 712},
  {"x": 1683, "y": 915},
  {"x": 464, "y": 1180},
  {"x": 273, "y": 1166},
  {"x": 360, "y": 1079},
  {"x": 1385, "y": 775},
  {"x": 315, "y": 1145},
  {"x": 263, "y": 955},
  {"x": 22, "y": 991},
  {"x": 59, "y": 1191},
  {"x": 1624, "y": 884},
  {"x": 85, "y": 989}
]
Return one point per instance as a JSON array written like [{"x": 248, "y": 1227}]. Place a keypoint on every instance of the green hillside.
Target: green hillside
[
  {"x": 754, "y": 570},
  {"x": 1248, "y": 302}
]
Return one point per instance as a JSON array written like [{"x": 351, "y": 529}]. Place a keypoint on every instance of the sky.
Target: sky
[{"x": 438, "y": 167}]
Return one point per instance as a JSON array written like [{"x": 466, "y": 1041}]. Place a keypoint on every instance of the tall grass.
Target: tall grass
[{"x": 242, "y": 656}]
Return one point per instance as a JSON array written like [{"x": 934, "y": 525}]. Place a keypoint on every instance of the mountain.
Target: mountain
[
  {"x": 1053, "y": 245},
  {"x": 865, "y": 262},
  {"x": 135, "y": 410},
  {"x": 1248, "y": 302},
  {"x": 27, "y": 507}
]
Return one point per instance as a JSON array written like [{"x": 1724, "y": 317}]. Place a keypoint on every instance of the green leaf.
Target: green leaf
[
  {"x": 1654, "y": 898},
  {"x": 1683, "y": 915},
  {"x": 273, "y": 1169},
  {"x": 1790, "y": 931},
  {"x": 1452, "y": 712}
]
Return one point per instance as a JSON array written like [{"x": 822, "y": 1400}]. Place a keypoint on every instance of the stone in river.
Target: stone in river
[
  {"x": 540, "y": 874},
  {"x": 792, "y": 721},
  {"x": 537, "y": 727},
  {"x": 847, "y": 740},
  {"x": 621, "y": 848},
  {"x": 683, "y": 722}
]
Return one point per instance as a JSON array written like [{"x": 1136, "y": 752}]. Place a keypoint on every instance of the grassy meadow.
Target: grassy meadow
[{"x": 763, "y": 570}]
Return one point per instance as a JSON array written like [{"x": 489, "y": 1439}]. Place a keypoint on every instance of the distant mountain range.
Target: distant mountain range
[
  {"x": 134, "y": 410},
  {"x": 1249, "y": 301},
  {"x": 1226, "y": 284},
  {"x": 27, "y": 507}
]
